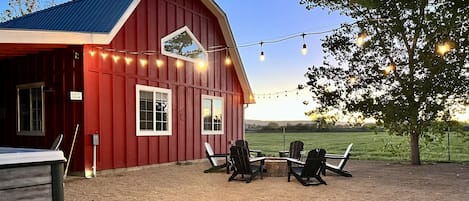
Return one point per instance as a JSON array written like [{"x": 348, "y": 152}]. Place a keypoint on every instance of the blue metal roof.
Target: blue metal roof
[{"x": 77, "y": 16}]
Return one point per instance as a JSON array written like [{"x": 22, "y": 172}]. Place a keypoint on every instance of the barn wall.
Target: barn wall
[
  {"x": 110, "y": 89},
  {"x": 62, "y": 71}
]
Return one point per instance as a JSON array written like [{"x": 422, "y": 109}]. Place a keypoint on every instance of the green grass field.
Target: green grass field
[{"x": 366, "y": 145}]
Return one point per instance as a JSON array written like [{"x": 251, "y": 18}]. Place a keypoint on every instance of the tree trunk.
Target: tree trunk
[{"x": 414, "y": 148}]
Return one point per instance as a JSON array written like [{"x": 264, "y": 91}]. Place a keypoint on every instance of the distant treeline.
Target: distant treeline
[{"x": 273, "y": 127}]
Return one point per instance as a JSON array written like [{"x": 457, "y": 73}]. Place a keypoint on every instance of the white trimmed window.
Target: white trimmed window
[
  {"x": 182, "y": 44},
  {"x": 153, "y": 111},
  {"x": 30, "y": 109},
  {"x": 212, "y": 115}
]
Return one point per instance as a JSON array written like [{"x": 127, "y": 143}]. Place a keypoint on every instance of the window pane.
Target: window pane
[
  {"x": 36, "y": 107},
  {"x": 24, "y": 112},
  {"x": 146, "y": 110},
  {"x": 207, "y": 113},
  {"x": 161, "y": 104},
  {"x": 217, "y": 114}
]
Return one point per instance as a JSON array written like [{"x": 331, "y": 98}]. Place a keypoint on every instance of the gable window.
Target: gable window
[
  {"x": 30, "y": 107},
  {"x": 182, "y": 44},
  {"x": 153, "y": 111},
  {"x": 212, "y": 115}
]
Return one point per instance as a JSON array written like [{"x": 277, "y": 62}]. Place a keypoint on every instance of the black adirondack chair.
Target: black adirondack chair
[
  {"x": 296, "y": 147},
  {"x": 312, "y": 168},
  {"x": 245, "y": 144},
  {"x": 243, "y": 165}
]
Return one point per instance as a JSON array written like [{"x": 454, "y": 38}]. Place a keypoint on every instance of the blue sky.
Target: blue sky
[{"x": 284, "y": 66}]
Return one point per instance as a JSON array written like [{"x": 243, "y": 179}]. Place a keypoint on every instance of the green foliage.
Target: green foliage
[
  {"x": 19, "y": 8},
  {"x": 398, "y": 76}
]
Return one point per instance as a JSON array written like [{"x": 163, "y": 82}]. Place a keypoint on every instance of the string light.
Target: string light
[
  {"x": 304, "y": 50},
  {"x": 262, "y": 56},
  {"x": 115, "y": 58},
  {"x": 391, "y": 67},
  {"x": 227, "y": 58},
  {"x": 159, "y": 62},
  {"x": 201, "y": 64},
  {"x": 143, "y": 62},
  {"x": 104, "y": 55},
  {"x": 179, "y": 63},
  {"x": 278, "y": 93},
  {"x": 361, "y": 38},
  {"x": 128, "y": 60},
  {"x": 443, "y": 47}
]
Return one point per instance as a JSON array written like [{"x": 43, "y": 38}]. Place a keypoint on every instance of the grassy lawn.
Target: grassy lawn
[{"x": 366, "y": 145}]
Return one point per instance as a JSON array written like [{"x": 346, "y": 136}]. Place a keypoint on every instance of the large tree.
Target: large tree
[
  {"x": 17, "y": 8},
  {"x": 410, "y": 67}
]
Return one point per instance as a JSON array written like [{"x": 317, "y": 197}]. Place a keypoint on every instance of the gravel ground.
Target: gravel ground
[{"x": 372, "y": 180}]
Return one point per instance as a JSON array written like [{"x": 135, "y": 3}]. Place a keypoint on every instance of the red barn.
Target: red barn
[{"x": 155, "y": 79}]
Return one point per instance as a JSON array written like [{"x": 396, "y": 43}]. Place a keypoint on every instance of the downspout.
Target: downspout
[{"x": 244, "y": 120}]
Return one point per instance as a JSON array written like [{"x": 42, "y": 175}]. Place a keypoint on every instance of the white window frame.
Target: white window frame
[
  {"x": 212, "y": 132},
  {"x": 154, "y": 132},
  {"x": 18, "y": 116},
  {"x": 174, "y": 34}
]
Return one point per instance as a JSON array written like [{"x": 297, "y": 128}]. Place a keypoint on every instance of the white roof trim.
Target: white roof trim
[{"x": 65, "y": 37}]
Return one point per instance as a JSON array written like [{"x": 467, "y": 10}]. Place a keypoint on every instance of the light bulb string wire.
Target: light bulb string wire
[{"x": 219, "y": 48}]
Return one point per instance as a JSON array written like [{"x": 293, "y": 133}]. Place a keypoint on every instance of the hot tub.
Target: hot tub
[{"x": 31, "y": 174}]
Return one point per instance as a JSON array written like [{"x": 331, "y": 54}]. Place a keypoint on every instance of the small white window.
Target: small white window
[
  {"x": 153, "y": 111},
  {"x": 30, "y": 107},
  {"x": 182, "y": 44},
  {"x": 212, "y": 115}
]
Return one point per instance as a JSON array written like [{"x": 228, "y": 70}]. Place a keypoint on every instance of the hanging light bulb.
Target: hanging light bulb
[
  {"x": 92, "y": 52},
  {"x": 352, "y": 80},
  {"x": 104, "y": 55},
  {"x": 361, "y": 38},
  {"x": 128, "y": 60},
  {"x": 262, "y": 57},
  {"x": 115, "y": 58},
  {"x": 159, "y": 62},
  {"x": 443, "y": 48},
  {"x": 391, "y": 67},
  {"x": 201, "y": 64},
  {"x": 143, "y": 62},
  {"x": 304, "y": 50},
  {"x": 179, "y": 63},
  {"x": 227, "y": 58}
]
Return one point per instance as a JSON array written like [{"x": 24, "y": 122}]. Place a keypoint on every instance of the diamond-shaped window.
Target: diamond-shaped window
[{"x": 182, "y": 44}]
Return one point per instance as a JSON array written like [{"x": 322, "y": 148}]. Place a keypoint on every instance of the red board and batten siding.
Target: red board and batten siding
[{"x": 109, "y": 89}]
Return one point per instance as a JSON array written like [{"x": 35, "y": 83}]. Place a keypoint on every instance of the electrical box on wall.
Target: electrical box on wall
[{"x": 95, "y": 139}]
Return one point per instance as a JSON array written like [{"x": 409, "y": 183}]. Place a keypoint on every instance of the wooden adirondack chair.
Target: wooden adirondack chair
[
  {"x": 312, "y": 168},
  {"x": 243, "y": 165},
  {"x": 214, "y": 160},
  {"x": 339, "y": 169},
  {"x": 245, "y": 144}
]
